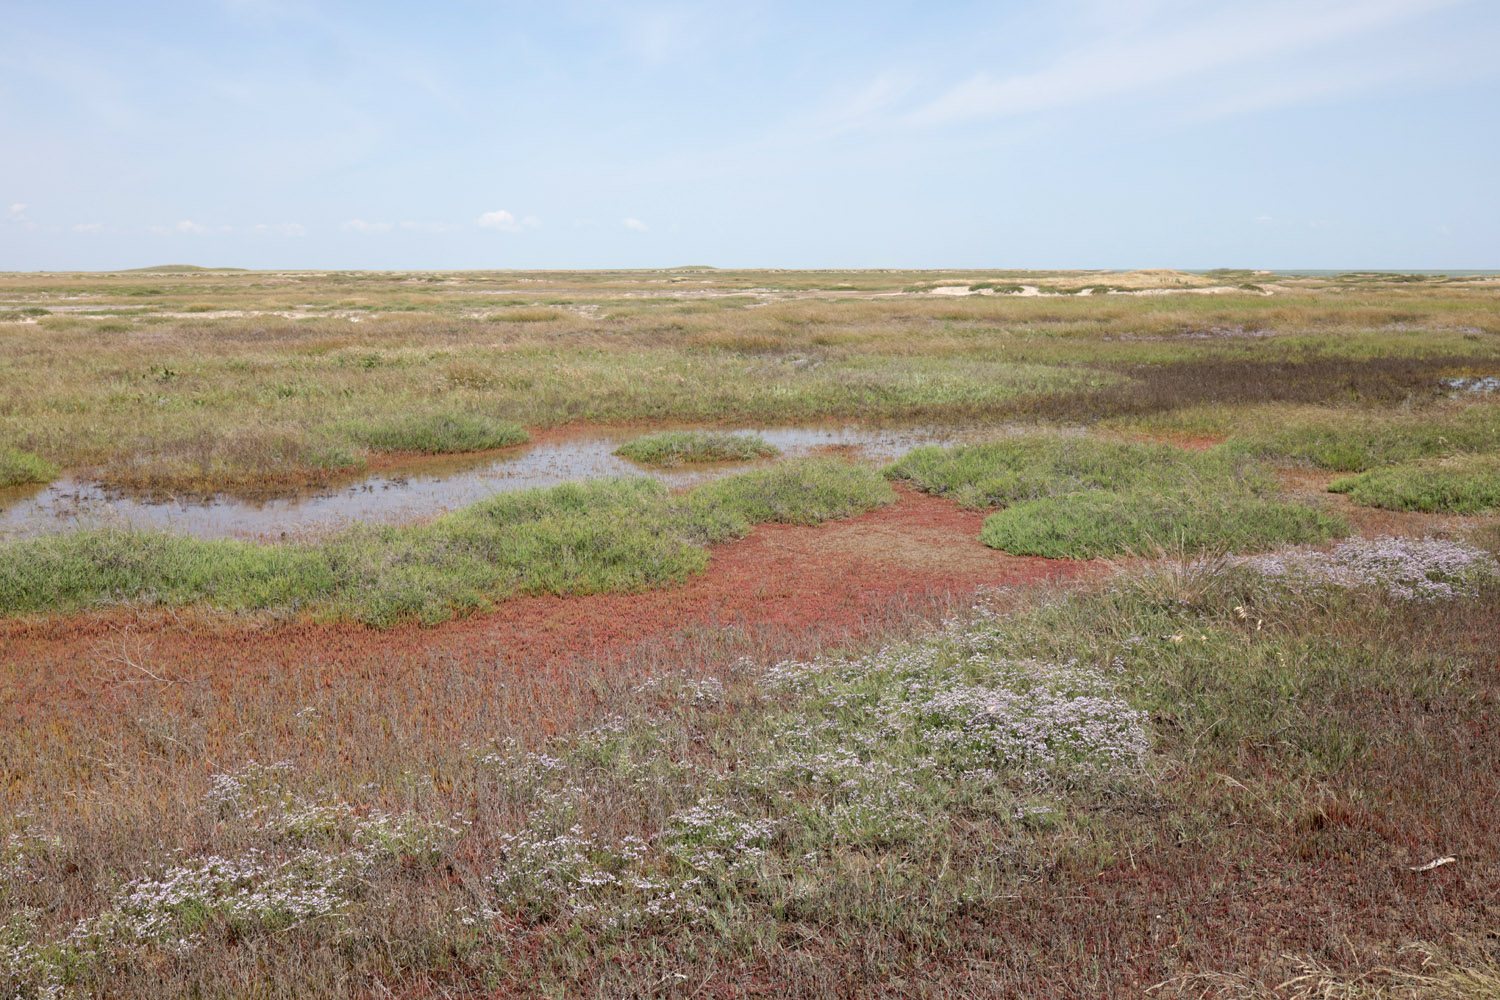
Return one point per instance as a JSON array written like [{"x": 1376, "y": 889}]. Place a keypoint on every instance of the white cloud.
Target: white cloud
[
  {"x": 279, "y": 229},
  {"x": 1169, "y": 51},
  {"x": 635, "y": 224},
  {"x": 505, "y": 222},
  {"x": 500, "y": 219},
  {"x": 18, "y": 210},
  {"x": 191, "y": 227},
  {"x": 361, "y": 226},
  {"x": 89, "y": 227}
]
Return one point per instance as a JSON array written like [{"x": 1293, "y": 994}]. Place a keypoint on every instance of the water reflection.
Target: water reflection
[{"x": 423, "y": 488}]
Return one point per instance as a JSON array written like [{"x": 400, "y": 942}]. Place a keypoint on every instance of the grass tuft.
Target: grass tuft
[
  {"x": 1082, "y": 497},
  {"x": 1035, "y": 466},
  {"x": 676, "y": 447},
  {"x": 436, "y": 433},
  {"x": 1465, "y": 484},
  {"x": 17, "y": 468},
  {"x": 809, "y": 491},
  {"x": 1354, "y": 441},
  {"x": 1103, "y": 523}
]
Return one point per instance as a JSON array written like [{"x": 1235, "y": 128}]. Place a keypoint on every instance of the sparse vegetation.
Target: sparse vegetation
[
  {"x": 676, "y": 447},
  {"x": 1126, "y": 742},
  {"x": 1354, "y": 442}
]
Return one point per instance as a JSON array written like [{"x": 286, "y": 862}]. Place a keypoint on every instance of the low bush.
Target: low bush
[
  {"x": 1355, "y": 441},
  {"x": 436, "y": 433},
  {"x": 1465, "y": 484},
  {"x": 1102, "y": 523},
  {"x": 1083, "y": 497},
  {"x": 1034, "y": 466},
  {"x": 17, "y": 468},
  {"x": 675, "y": 447}
]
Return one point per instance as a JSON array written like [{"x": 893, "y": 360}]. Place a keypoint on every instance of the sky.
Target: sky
[{"x": 1339, "y": 134}]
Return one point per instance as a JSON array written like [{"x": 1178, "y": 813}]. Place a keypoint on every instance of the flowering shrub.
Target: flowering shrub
[
  {"x": 842, "y": 754},
  {"x": 1410, "y": 569},
  {"x": 20, "y": 853},
  {"x": 256, "y": 891},
  {"x": 247, "y": 787}
]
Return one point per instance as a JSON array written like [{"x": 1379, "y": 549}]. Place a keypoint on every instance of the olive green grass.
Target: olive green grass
[
  {"x": 1464, "y": 484},
  {"x": 436, "y": 433},
  {"x": 17, "y": 468},
  {"x": 668, "y": 448},
  {"x": 1083, "y": 497}
]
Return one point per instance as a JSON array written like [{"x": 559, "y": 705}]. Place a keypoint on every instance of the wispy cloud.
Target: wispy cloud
[
  {"x": 430, "y": 227},
  {"x": 89, "y": 227},
  {"x": 634, "y": 224},
  {"x": 191, "y": 228},
  {"x": 1195, "y": 41},
  {"x": 505, "y": 222},
  {"x": 361, "y": 226},
  {"x": 293, "y": 229}
]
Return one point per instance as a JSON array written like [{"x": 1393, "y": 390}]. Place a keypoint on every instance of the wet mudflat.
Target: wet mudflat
[{"x": 418, "y": 488}]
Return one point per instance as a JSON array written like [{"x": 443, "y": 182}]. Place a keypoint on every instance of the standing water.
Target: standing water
[{"x": 423, "y": 488}]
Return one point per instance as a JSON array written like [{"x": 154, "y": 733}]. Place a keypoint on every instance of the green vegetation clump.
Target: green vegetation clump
[
  {"x": 1103, "y": 523},
  {"x": 436, "y": 433},
  {"x": 578, "y": 538},
  {"x": 1082, "y": 497},
  {"x": 17, "y": 468},
  {"x": 1466, "y": 484},
  {"x": 252, "y": 459},
  {"x": 1354, "y": 441},
  {"x": 808, "y": 491},
  {"x": 1033, "y": 466},
  {"x": 675, "y": 447}
]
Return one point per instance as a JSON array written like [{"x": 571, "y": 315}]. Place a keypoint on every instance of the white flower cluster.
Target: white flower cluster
[{"x": 1411, "y": 569}]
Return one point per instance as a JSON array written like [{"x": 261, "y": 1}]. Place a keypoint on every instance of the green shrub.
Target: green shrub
[
  {"x": 1354, "y": 441},
  {"x": 803, "y": 492},
  {"x": 1466, "y": 484},
  {"x": 436, "y": 433},
  {"x": 1042, "y": 465},
  {"x": 674, "y": 447},
  {"x": 1097, "y": 523},
  {"x": 1083, "y": 497},
  {"x": 20, "y": 467}
]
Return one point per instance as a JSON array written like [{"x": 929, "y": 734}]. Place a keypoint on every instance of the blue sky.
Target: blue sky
[{"x": 1072, "y": 133}]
